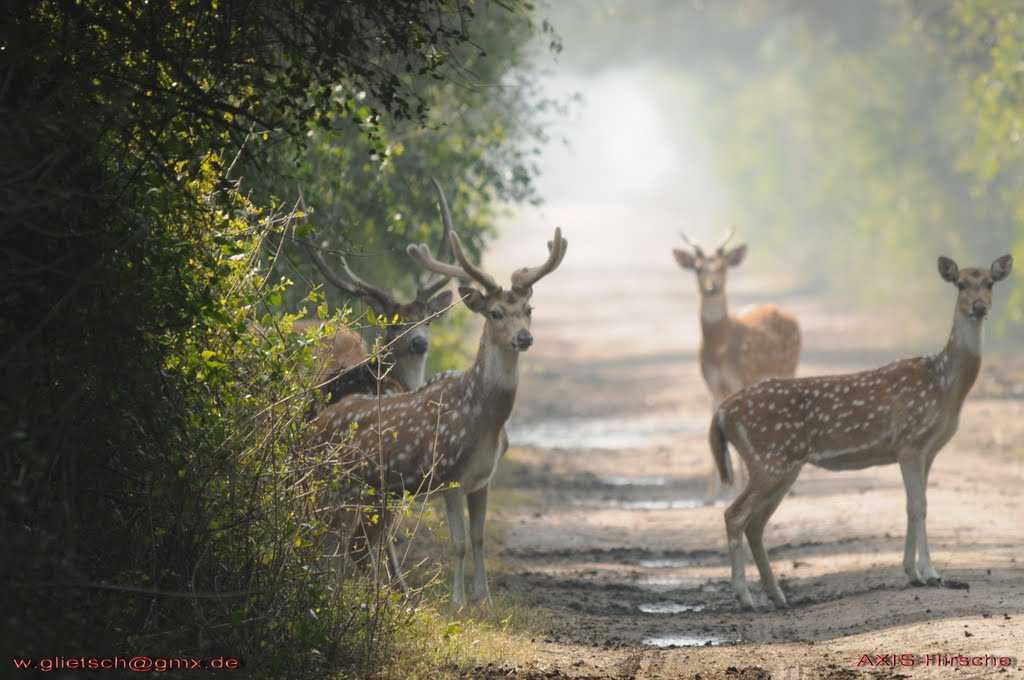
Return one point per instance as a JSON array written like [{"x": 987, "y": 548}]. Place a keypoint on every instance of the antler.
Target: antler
[
  {"x": 696, "y": 248},
  {"x": 354, "y": 285},
  {"x": 421, "y": 254},
  {"x": 721, "y": 246},
  {"x": 444, "y": 249},
  {"x": 524, "y": 278},
  {"x": 477, "y": 274},
  {"x": 428, "y": 288}
]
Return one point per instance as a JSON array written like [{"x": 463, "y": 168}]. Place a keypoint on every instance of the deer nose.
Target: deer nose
[
  {"x": 524, "y": 340},
  {"x": 979, "y": 308},
  {"x": 419, "y": 345}
]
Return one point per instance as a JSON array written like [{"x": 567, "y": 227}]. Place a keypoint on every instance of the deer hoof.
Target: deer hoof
[{"x": 779, "y": 600}]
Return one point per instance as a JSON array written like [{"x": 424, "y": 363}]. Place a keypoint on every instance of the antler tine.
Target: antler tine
[
  {"x": 421, "y": 254},
  {"x": 527, "y": 276},
  {"x": 354, "y": 285},
  {"x": 696, "y": 248},
  {"x": 428, "y": 288},
  {"x": 479, "y": 275},
  {"x": 721, "y": 246},
  {"x": 444, "y": 249}
]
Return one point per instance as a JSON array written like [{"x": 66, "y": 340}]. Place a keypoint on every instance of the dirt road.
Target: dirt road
[{"x": 602, "y": 522}]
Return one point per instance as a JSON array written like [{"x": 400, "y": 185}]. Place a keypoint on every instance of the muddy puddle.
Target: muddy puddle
[
  {"x": 647, "y": 503},
  {"x": 612, "y": 434},
  {"x": 669, "y": 607},
  {"x": 665, "y": 641}
]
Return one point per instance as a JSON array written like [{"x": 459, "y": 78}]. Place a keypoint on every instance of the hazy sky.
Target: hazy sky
[{"x": 628, "y": 178}]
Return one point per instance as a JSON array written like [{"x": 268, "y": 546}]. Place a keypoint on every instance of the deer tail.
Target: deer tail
[{"x": 720, "y": 448}]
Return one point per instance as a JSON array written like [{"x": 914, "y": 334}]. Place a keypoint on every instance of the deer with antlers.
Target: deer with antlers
[
  {"x": 344, "y": 364},
  {"x": 903, "y": 413},
  {"x": 736, "y": 351},
  {"x": 450, "y": 434}
]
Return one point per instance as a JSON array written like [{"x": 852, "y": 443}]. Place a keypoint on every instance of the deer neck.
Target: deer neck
[
  {"x": 960, "y": 360},
  {"x": 714, "y": 319},
  {"x": 411, "y": 371},
  {"x": 494, "y": 377}
]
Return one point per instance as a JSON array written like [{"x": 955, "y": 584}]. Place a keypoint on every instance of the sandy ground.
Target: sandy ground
[{"x": 602, "y": 522}]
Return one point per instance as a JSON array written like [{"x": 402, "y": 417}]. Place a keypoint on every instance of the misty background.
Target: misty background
[{"x": 849, "y": 144}]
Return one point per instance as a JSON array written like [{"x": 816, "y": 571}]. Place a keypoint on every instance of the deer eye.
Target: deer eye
[
  {"x": 496, "y": 315},
  {"x": 962, "y": 285},
  {"x": 529, "y": 310},
  {"x": 988, "y": 284}
]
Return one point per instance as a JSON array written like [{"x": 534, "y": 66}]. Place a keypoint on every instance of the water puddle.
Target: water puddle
[
  {"x": 649, "y": 503},
  {"x": 669, "y": 607},
  {"x": 665, "y": 504},
  {"x": 608, "y": 433},
  {"x": 663, "y": 563},
  {"x": 664, "y": 584},
  {"x": 688, "y": 641},
  {"x": 622, "y": 480}
]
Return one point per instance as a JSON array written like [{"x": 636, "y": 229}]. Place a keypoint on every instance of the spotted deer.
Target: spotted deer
[
  {"x": 903, "y": 413},
  {"x": 736, "y": 351},
  {"x": 449, "y": 435},
  {"x": 342, "y": 361}
]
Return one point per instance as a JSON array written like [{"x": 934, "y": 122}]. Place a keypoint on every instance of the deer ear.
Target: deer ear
[
  {"x": 685, "y": 259},
  {"x": 439, "y": 302},
  {"x": 1001, "y": 267},
  {"x": 948, "y": 269},
  {"x": 473, "y": 298},
  {"x": 736, "y": 255}
]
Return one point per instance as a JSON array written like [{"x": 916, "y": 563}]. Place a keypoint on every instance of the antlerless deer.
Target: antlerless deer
[
  {"x": 452, "y": 429},
  {"x": 903, "y": 413}
]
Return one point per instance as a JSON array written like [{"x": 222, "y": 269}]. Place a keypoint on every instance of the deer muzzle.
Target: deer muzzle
[
  {"x": 419, "y": 345},
  {"x": 523, "y": 340}
]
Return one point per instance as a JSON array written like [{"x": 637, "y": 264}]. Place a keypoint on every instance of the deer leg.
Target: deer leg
[
  {"x": 913, "y": 469},
  {"x": 924, "y": 558},
  {"x": 477, "y": 514},
  {"x": 453, "y": 500},
  {"x": 395, "y": 566},
  {"x": 378, "y": 541},
  {"x": 737, "y": 516},
  {"x": 766, "y": 505},
  {"x": 714, "y": 483},
  {"x": 739, "y": 471}
]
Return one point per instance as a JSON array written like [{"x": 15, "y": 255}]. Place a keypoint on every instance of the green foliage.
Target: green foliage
[
  {"x": 159, "y": 494},
  {"x": 888, "y": 124},
  {"x": 369, "y": 183}
]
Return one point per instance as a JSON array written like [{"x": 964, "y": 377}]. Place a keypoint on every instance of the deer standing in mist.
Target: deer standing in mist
[
  {"x": 903, "y": 413},
  {"x": 344, "y": 364},
  {"x": 449, "y": 435},
  {"x": 343, "y": 368},
  {"x": 736, "y": 351}
]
